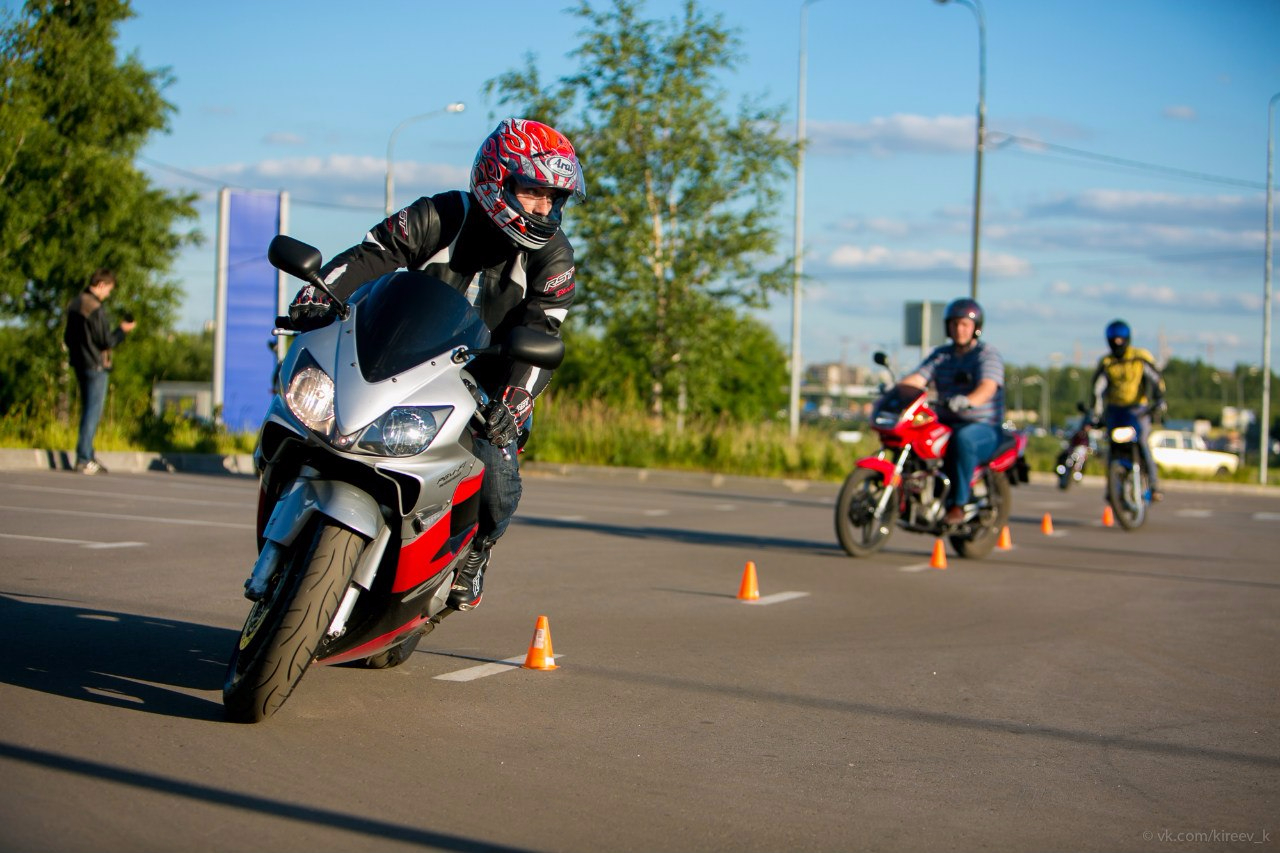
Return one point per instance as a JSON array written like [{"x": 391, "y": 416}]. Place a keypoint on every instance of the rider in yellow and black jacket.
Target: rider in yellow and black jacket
[{"x": 1127, "y": 380}]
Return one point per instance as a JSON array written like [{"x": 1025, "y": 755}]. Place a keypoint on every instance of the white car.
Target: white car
[{"x": 1180, "y": 450}]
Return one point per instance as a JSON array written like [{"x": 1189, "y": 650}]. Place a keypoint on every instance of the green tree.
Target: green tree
[
  {"x": 736, "y": 368},
  {"x": 678, "y": 220},
  {"x": 73, "y": 117}
]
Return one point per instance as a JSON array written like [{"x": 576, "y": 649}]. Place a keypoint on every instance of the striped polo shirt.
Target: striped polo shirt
[{"x": 952, "y": 374}]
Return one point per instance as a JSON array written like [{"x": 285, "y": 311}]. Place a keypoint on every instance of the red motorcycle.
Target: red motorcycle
[{"x": 905, "y": 483}]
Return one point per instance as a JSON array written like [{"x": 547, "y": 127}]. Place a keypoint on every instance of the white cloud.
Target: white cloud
[
  {"x": 341, "y": 179},
  {"x": 885, "y": 259},
  {"x": 1147, "y": 296},
  {"x": 897, "y": 134},
  {"x": 1216, "y": 210},
  {"x": 1180, "y": 113}
]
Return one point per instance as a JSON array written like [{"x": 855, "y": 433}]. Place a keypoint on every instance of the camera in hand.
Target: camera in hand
[{"x": 127, "y": 316}]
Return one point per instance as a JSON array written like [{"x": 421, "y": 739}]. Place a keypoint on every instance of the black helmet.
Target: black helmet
[
  {"x": 1118, "y": 335},
  {"x": 964, "y": 307}
]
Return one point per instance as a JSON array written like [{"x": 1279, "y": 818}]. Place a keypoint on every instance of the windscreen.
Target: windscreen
[
  {"x": 406, "y": 318},
  {"x": 891, "y": 405}
]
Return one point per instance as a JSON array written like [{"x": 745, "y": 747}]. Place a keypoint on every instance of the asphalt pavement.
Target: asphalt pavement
[{"x": 1089, "y": 689}]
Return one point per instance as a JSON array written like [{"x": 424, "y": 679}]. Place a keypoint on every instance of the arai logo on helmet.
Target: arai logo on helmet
[{"x": 562, "y": 166}]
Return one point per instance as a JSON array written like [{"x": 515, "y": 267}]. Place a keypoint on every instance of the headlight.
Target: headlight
[
  {"x": 404, "y": 430},
  {"x": 310, "y": 398},
  {"x": 1124, "y": 434},
  {"x": 886, "y": 419}
]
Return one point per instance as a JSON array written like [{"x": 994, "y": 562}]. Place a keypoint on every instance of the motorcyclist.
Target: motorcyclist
[
  {"x": 505, "y": 235},
  {"x": 968, "y": 374},
  {"x": 1128, "y": 382}
]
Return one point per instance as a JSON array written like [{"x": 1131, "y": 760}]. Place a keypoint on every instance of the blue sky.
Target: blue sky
[{"x": 303, "y": 94}]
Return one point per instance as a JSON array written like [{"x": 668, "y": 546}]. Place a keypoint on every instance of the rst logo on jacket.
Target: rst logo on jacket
[{"x": 556, "y": 281}]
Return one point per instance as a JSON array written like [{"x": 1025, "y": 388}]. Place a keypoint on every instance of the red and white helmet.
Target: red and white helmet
[{"x": 522, "y": 152}]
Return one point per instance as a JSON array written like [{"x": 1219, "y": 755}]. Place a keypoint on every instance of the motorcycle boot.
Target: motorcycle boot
[{"x": 468, "y": 584}]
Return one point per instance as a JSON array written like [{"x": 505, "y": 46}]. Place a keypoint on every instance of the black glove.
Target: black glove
[
  {"x": 310, "y": 308},
  {"x": 500, "y": 424}
]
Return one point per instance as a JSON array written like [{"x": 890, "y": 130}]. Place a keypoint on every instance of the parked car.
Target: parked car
[{"x": 1182, "y": 450}]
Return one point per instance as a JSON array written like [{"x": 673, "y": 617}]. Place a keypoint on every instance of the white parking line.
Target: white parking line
[
  {"x": 1266, "y": 516},
  {"x": 152, "y": 518},
  {"x": 81, "y": 542},
  {"x": 777, "y": 597},
  {"x": 126, "y": 495},
  {"x": 1194, "y": 513},
  {"x": 495, "y": 668}
]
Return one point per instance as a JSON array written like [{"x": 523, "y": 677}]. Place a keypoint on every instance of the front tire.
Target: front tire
[
  {"x": 1125, "y": 489},
  {"x": 284, "y": 629},
  {"x": 859, "y": 532}
]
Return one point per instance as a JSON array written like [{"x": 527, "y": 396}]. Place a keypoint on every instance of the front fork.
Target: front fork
[{"x": 892, "y": 485}]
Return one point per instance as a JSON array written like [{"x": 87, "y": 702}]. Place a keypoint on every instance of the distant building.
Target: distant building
[{"x": 840, "y": 391}]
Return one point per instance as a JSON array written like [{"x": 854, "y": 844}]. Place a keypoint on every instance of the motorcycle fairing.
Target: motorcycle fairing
[
  {"x": 376, "y": 645},
  {"x": 436, "y": 547}
]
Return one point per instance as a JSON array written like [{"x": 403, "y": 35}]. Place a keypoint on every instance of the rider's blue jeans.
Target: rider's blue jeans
[
  {"x": 971, "y": 445},
  {"x": 500, "y": 491}
]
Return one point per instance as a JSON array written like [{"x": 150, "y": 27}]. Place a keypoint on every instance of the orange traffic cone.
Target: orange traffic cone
[
  {"x": 540, "y": 654},
  {"x": 1005, "y": 542},
  {"x": 1108, "y": 517},
  {"x": 749, "y": 590},
  {"x": 1046, "y": 525},
  {"x": 939, "y": 559}
]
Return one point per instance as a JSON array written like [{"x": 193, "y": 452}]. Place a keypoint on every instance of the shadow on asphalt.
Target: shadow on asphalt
[
  {"x": 688, "y": 537},
  {"x": 309, "y": 815},
  {"x": 119, "y": 659}
]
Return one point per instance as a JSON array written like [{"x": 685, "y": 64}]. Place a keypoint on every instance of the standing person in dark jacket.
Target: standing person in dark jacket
[
  {"x": 503, "y": 237},
  {"x": 90, "y": 340}
]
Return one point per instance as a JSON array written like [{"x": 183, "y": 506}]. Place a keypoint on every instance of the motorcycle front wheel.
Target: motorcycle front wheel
[
  {"x": 857, "y": 528},
  {"x": 1125, "y": 493},
  {"x": 284, "y": 628}
]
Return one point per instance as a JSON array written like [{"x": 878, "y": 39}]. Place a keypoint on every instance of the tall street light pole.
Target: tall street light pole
[
  {"x": 797, "y": 270},
  {"x": 455, "y": 107},
  {"x": 981, "y": 144},
  {"x": 1264, "y": 424}
]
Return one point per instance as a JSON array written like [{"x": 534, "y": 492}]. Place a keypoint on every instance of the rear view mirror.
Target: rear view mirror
[
  {"x": 294, "y": 257},
  {"x": 538, "y": 349}
]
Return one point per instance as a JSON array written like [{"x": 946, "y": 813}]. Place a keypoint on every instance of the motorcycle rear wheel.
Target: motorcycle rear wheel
[
  {"x": 284, "y": 629},
  {"x": 991, "y": 518},
  {"x": 856, "y": 527}
]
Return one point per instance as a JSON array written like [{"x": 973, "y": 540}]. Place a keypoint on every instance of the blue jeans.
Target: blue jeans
[
  {"x": 499, "y": 492},
  {"x": 971, "y": 445},
  {"x": 93, "y": 394}
]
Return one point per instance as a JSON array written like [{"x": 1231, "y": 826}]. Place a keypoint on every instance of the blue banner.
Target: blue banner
[{"x": 251, "y": 302}]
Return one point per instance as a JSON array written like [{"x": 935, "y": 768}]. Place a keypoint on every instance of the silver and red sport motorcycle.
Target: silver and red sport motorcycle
[{"x": 368, "y": 487}]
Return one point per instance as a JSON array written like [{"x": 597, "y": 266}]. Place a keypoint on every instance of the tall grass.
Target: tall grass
[
  {"x": 145, "y": 431},
  {"x": 591, "y": 433},
  {"x": 568, "y": 432}
]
